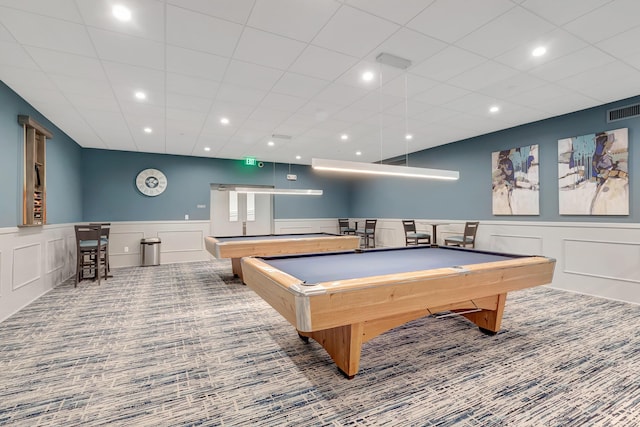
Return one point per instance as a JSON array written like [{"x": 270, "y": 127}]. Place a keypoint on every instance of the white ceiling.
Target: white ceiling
[{"x": 293, "y": 67}]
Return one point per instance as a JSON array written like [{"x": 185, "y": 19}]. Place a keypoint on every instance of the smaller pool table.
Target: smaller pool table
[
  {"x": 343, "y": 300},
  {"x": 236, "y": 247}
]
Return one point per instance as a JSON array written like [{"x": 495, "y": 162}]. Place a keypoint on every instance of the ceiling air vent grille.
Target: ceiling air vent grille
[{"x": 622, "y": 113}]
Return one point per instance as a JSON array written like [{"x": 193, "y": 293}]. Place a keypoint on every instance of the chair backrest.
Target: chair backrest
[
  {"x": 370, "y": 225},
  {"x": 105, "y": 227},
  {"x": 87, "y": 236},
  {"x": 343, "y": 223},
  {"x": 409, "y": 225},
  {"x": 470, "y": 229}
]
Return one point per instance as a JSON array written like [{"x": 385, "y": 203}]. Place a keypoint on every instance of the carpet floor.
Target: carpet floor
[{"x": 187, "y": 344}]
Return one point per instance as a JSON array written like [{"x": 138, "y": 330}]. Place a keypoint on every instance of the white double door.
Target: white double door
[{"x": 240, "y": 214}]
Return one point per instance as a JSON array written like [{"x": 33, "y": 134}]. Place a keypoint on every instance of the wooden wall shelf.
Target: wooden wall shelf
[{"x": 34, "y": 193}]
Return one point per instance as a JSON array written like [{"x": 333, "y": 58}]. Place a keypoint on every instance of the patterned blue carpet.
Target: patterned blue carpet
[{"x": 186, "y": 344}]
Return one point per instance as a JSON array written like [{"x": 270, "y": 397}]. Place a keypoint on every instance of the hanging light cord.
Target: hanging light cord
[
  {"x": 406, "y": 120},
  {"x": 380, "y": 107}
]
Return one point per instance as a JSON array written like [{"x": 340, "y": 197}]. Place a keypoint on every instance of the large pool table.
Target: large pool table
[
  {"x": 343, "y": 300},
  {"x": 236, "y": 247}
]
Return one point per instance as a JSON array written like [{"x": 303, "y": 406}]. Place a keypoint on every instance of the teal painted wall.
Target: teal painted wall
[
  {"x": 110, "y": 194},
  {"x": 64, "y": 181},
  {"x": 470, "y": 196}
]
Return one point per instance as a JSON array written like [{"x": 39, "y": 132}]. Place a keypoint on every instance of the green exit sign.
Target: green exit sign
[{"x": 250, "y": 161}]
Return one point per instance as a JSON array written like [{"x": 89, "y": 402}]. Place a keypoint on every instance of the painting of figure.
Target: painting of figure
[
  {"x": 593, "y": 174},
  {"x": 516, "y": 184}
]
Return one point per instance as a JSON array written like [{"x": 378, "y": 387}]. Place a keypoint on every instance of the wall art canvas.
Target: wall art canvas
[
  {"x": 593, "y": 174},
  {"x": 516, "y": 184}
]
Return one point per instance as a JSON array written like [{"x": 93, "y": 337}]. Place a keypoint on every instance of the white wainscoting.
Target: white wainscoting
[{"x": 601, "y": 259}]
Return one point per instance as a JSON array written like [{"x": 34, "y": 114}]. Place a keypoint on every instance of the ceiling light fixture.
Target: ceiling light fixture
[
  {"x": 121, "y": 13},
  {"x": 539, "y": 51},
  {"x": 207, "y": 148},
  {"x": 140, "y": 95},
  {"x": 224, "y": 121},
  {"x": 408, "y": 137},
  {"x": 148, "y": 130},
  {"x": 271, "y": 143},
  {"x": 281, "y": 191},
  {"x": 494, "y": 109},
  {"x": 344, "y": 137},
  {"x": 382, "y": 169},
  {"x": 367, "y": 76},
  {"x": 298, "y": 157},
  {"x": 379, "y": 168}
]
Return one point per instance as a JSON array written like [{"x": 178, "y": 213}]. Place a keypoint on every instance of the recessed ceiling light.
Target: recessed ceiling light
[
  {"x": 148, "y": 130},
  {"x": 207, "y": 148},
  {"x": 224, "y": 121},
  {"x": 122, "y": 13},
  {"x": 271, "y": 143},
  {"x": 367, "y": 76},
  {"x": 344, "y": 137},
  {"x": 358, "y": 153},
  {"x": 494, "y": 109},
  {"x": 298, "y": 157},
  {"x": 539, "y": 51},
  {"x": 408, "y": 137},
  {"x": 140, "y": 95}
]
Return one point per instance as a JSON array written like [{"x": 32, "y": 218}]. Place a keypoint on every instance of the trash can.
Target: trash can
[{"x": 150, "y": 251}]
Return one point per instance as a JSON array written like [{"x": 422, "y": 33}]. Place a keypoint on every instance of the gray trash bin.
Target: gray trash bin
[{"x": 150, "y": 251}]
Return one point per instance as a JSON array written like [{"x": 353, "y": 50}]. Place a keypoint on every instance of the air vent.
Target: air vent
[{"x": 622, "y": 113}]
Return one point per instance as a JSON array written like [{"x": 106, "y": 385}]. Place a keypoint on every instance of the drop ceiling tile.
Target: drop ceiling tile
[
  {"x": 52, "y": 61},
  {"x": 231, "y": 10},
  {"x": 188, "y": 102},
  {"x": 353, "y": 76},
  {"x": 60, "y": 35},
  {"x": 13, "y": 54},
  {"x": 186, "y": 85},
  {"x": 81, "y": 101},
  {"x": 505, "y": 33},
  {"x": 408, "y": 85},
  {"x": 411, "y": 45},
  {"x": 572, "y": 64},
  {"x": 275, "y": 16},
  {"x": 260, "y": 47},
  {"x": 437, "y": 20},
  {"x": 390, "y": 10},
  {"x": 260, "y": 125},
  {"x": 340, "y": 94},
  {"x": 606, "y": 83},
  {"x": 147, "y": 17},
  {"x": 282, "y": 102},
  {"x": 298, "y": 85},
  {"x": 521, "y": 82},
  {"x": 352, "y": 115},
  {"x": 441, "y": 94},
  {"x": 128, "y": 79},
  {"x": 196, "y": 64},
  {"x": 20, "y": 79},
  {"x": 447, "y": 63},
  {"x": 240, "y": 95},
  {"x": 376, "y": 101},
  {"x": 98, "y": 88},
  {"x": 322, "y": 63},
  {"x": 485, "y": 74},
  {"x": 564, "y": 11},
  {"x": 251, "y": 75},
  {"x": 272, "y": 116},
  {"x": 612, "y": 18},
  {"x": 5, "y": 35},
  {"x": 127, "y": 49},
  {"x": 59, "y": 9},
  {"x": 622, "y": 45},
  {"x": 354, "y": 32},
  {"x": 558, "y": 43},
  {"x": 201, "y": 32}
]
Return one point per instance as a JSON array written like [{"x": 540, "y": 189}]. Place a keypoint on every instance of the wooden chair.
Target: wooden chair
[
  {"x": 411, "y": 236},
  {"x": 343, "y": 226},
  {"x": 105, "y": 228},
  {"x": 90, "y": 253},
  {"x": 369, "y": 233},
  {"x": 468, "y": 238}
]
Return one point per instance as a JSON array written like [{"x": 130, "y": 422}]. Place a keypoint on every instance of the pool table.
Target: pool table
[
  {"x": 343, "y": 300},
  {"x": 236, "y": 247}
]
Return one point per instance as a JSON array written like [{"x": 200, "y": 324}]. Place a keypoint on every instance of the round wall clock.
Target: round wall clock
[{"x": 151, "y": 182}]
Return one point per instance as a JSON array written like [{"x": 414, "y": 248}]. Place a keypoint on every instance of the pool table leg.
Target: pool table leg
[
  {"x": 489, "y": 320},
  {"x": 236, "y": 267},
  {"x": 343, "y": 344}
]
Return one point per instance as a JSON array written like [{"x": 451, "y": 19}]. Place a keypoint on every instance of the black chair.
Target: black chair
[
  {"x": 343, "y": 226},
  {"x": 369, "y": 233},
  {"x": 411, "y": 236},
  {"x": 91, "y": 253},
  {"x": 468, "y": 238}
]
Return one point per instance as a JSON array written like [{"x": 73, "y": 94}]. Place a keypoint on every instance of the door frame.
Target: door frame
[{"x": 230, "y": 187}]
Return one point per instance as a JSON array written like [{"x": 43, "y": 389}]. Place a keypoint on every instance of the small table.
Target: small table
[
  {"x": 434, "y": 229},
  {"x": 236, "y": 247},
  {"x": 342, "y": 300}
]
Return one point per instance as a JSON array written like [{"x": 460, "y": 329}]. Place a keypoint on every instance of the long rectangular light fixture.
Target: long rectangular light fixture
[
  {"x": 380, "y": 169},
  {"x": 283, "y": 191}
]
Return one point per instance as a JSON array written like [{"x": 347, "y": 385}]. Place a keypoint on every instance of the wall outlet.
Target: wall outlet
[
  {"x": 126, "y": 248},
  {"x": 201, "y": 206},
  {"x": 292, "y": 177},
  {"x": 186, "y": 217}
]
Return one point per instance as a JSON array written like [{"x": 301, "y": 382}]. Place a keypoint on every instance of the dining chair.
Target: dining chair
[
  {"x": 369, "y": 233},
  {"x": 411, "y": 236},
  {"x": 105, "y": 228},
  {"x": 90, "y": 253},
  {"x": 343, "y": 226},
  {"x": 468, "y": 238}
]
